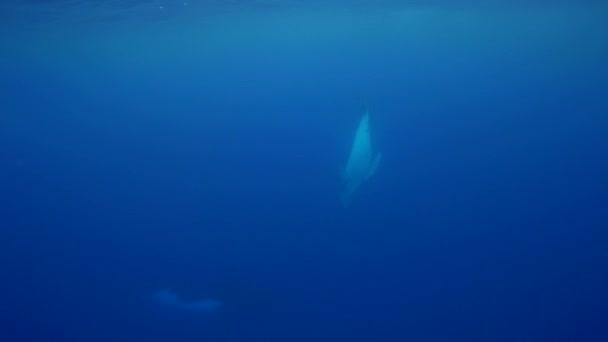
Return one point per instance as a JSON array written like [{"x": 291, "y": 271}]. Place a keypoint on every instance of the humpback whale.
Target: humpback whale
[
  {"x": 360, "y": 165},
  {"x": 167, "y": 297}
]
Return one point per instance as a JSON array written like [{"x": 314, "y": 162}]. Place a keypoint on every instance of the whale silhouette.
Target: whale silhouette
[
  {"x": 167, "y": 297},
  {"x": 360, "y": 165}
]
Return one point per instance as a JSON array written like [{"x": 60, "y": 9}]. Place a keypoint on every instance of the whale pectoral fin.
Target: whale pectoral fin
[
  {"x": 374, "y": 165},
  {"x": 345, "y": 198}
]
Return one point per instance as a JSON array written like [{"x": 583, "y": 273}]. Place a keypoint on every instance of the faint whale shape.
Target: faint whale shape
[
  {"x": 167, "y": 297},
  {"x": 360, "y": 165}
]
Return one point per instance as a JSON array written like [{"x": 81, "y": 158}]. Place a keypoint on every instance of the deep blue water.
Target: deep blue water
[{"x": 152, "y": 145}]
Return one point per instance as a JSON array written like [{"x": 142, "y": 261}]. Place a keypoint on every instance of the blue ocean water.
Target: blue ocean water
[{"x": 157, "y": 157}]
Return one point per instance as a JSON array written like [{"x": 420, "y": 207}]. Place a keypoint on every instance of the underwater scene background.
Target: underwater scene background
[{"x": 171, "y": 171}]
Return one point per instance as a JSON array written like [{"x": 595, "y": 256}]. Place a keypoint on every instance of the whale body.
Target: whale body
[
  {"x": 167, "y": 297},
  {"x": 361, "y": 165}
]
